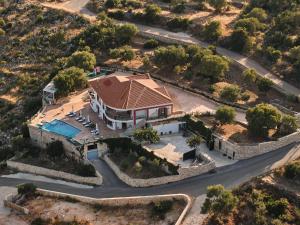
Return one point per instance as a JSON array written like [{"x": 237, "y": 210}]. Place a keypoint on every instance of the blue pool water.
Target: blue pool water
[{"x": 61, "y": 128}]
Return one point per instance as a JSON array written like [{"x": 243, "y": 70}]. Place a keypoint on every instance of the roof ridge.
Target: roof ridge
[
  {"x": 158, "y": 92},
  {"x": 129, "y": 91}
]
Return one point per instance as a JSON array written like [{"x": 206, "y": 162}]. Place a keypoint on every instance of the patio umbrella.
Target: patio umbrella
[
  {"x": 97, "y": 128},
  {"x": 80, "y": 113},
  {"x": 88, "y": 119},
  {"x": 72, "y": 108}
]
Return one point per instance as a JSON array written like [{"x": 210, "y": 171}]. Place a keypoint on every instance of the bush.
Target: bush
[
  {"x": 194, "y": 141},
  {"x": 124, "y": 33},
  {"x": 214, "y": 67},
  {"x": 240, "y": 41},
  {"x": 170, "y": 56},
  {"x": 178, "y": 23},
  {"x": 225, "y": 114},
  {"x": 31, "y": 105},
  {"x": 264, "y": 84},
  {"x": 230, "y": 93},
  {"x": 278, "y": 207},
  {"x": 219, "y": 5},
  {"x": 2, "y": 32},
  {"x": 146, "y": 134},
  {"x": 150, "y": 44},
  {"x": 55, "y": 149},
  {"x": 118, "y": 15},
  {"x": 258, "y": 13},
  {"x": 292, "y": 171},
  {"x": 250, "y": 76},
  {"x": 159, "y": 209},
  {"x": 86, "y": 170},
  {"x": 26, "y": 189},
  {"x": 251, "y": 25},
  {"x": 288, "y": 125},
  {"x": 272, "y": 54},
  {"x": 112, "y": 3},
  {"x": 261, "y": 118},
  {"x": 178, "y": 8},
  {"x": 212, "y": 31},
  {"x": 151, "y": 12},
  {"x": 126, "y": 53}
]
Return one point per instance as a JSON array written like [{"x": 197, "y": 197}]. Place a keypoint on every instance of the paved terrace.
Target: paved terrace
[{"x": 78, "y": 101}]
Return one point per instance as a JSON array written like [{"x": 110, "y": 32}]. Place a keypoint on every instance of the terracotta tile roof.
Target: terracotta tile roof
[{"x": 130, "y": 91}]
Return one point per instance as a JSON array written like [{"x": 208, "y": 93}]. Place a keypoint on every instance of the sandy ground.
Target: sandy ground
[{"x": 49, "y": 208}]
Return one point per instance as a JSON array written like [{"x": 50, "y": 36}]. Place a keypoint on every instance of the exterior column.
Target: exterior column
[{"x": 134, "y": 118}]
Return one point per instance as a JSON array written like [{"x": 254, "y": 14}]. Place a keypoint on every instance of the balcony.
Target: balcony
[{"x": 117, "y": 115}]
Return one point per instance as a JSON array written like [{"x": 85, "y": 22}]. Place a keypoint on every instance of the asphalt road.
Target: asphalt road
[{"x": 229, "y": 176}]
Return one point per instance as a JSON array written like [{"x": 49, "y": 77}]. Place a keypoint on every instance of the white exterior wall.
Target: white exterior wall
[{"x": 167, "y": 128}]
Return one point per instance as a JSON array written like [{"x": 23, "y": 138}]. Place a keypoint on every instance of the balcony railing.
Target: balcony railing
[{"x": 118, "y": 115}]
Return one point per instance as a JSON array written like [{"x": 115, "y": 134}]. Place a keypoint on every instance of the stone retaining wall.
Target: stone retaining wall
[
  {"x": 184, "y": 172},
  {"x": 55, "y": 174},
  {"x": 41, "y": 138},
  {"x": 122, "y": 201},
  {"x": 9, "y": 204},
  {"x": 244, "y": 151}
]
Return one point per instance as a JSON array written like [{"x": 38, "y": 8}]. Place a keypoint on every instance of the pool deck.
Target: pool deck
[{"x": 79, "y": 101}]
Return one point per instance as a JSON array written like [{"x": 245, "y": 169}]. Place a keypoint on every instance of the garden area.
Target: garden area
[
  {"x": 68, "y": 211},
  {"x": 258, "y": 201},
  {"x": 53, "y": 157},
  {"x": 136, "y": 161}
]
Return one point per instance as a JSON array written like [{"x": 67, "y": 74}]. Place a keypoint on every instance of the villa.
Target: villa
[{"x": 126, "y": 101}]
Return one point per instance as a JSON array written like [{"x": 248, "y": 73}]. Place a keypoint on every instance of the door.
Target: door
[{"x": 92, "y": 154}]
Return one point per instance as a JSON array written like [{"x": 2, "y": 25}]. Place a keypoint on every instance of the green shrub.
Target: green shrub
[
  {"x": 112, "y": 3},
  {"x": 240, "y": 41},
  {"x": 272, "y": 54},
  {"x": 264, "y": 84},
  {"x": 55, "y": 149},
  {"x": 225, "y": 114},
  {"x": 170, "y": 56},
  {"x": 245, "y": 97},
  {"x": 250, "y": 76},
  {"x": 86, "y": 170},
  {"x": 82, "y": 59},
  {"x": 2, "y": 32},
  {"x": 212, "y": 31},
  {"x": 178, "y": 8},
  {"x": 6, "y": 153},
  {"x": 159, "y": 209},
  {"x": 292, "y": 171},
  {"x": 277, "y": 208},
  {"x": 124, "y": 164},
  {"x": 258, "y": 13},
  {"x": 288, "y": 125},
  {"x": 178, "y": 23},
  {"x": 125, "y": 53},
  {"x": 26, "y": 189},
  {"x": 118, "y": 15},
  {"x": 251, "y": 25},
  {"x": 146, "y": 134},
  {"x": 150, "y": 44},
  {"x": 151, "y": 12},
  {"x": 231, "y": 93}
]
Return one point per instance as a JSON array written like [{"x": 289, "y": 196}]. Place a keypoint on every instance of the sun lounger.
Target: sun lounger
[
  {"x": 81, "y": 120},
  {"x": 88, "y": 124}
]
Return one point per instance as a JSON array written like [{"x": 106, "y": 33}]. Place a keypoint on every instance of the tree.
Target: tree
[
  {"x": 258, "y": 13},
  {"x": 261, "y": 118},
  {"x": 146, "y": 134},
  {"x": 250, "y": 76},
  {"x": 219, "y": 5},
  {"x": 69, "y": 80},
  {"x": 294, "y": 53},
  {"x": 214, "y": 67},
  {"x": 124, "y": 33},
  {"x": 151, "y": 12},
  {"x": 288, "y": 125},
  {"x": 219, "y": 201},
  {"x": 112, "y": 3},
  {"x": 150, "y": 44},
  {"x": 170, "y": 56},
  {"x": 231, "y": 93},
  {"x": 82, "y": 59},
  {"x": 55, "y": 149},
  {"x": 273, "y": 54},
  {"x": 225, "y": 114},
  {"x": 212, "y": 31},
  {"x": 2, "y": 32},
  {"x": 126, "y": 53},
  {"x": 178, "y": 23},
  {"x": 240, "y": 41},
  {"x": 194, "y": 141},
  {"x": 264, "y": 84},
  {"x": 251, "y": 25}
]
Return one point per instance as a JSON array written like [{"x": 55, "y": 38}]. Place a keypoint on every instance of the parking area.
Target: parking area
[{"x": 172, "y": 147}]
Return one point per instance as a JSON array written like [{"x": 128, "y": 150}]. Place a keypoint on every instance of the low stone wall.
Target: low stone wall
[
  {"x": 55, "y": 174},
  {"x": 122, "y": 201},
  {"x": 9, "y": 204},
  {"x": 184, "y": 172},
  {"x": 239, "y": 151}
]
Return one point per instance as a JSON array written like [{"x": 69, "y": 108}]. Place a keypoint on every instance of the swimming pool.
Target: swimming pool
[{"x": 61, "y": 128}]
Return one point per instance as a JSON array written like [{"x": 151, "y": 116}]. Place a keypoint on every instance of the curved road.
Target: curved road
[
  {"x": 78, "y": 6},
  {"x": 229, "y": 176}
]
